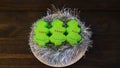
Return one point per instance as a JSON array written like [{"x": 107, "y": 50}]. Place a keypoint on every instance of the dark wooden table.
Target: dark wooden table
[{"x": 17, "y": 16}]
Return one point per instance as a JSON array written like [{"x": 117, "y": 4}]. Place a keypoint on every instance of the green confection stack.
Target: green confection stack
[
  {"x": 57, "y": 31},
  {"x": 73, "y": 32},
  {"x": 41, "y": 30}
]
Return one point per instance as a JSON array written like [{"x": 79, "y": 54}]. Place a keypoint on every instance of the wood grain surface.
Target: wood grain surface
[{"x": 17, "y": 16}]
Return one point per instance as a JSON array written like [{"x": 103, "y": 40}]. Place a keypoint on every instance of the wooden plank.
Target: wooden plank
[
  {"x": 90, "y": 5},
  {"x": 16, "y": 5},
  {"x": 40, "y": 5},
  {"x": 17, "y": 22},
  {"x": 15, "y": 56},
  {"x": 102, "y": 22},
  {"x": 19, "y": 17},
  {"x": 14, "y": 46},
  {"x": 29, "y": 62}
]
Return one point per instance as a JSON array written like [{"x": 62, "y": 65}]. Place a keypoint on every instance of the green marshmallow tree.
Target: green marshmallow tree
[
  {"x": 41, "y": 31},
  {"x": 57, "y": 31},
  {"x": 73, "y": 30}
]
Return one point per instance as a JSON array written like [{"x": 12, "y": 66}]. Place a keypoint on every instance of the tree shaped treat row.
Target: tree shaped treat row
[{"x": 57, "y": 31}]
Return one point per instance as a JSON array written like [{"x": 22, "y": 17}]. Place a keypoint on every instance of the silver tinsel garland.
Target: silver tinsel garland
[{"x": 65, "y": 54}]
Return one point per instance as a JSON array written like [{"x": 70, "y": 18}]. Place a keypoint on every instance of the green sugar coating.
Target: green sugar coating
[
  {"x": 41, "y": 31},
  {"x": 73, "y": 38},
  {"x": 41, "y": 39},
  {"x": 73, "y": 26},
  {"x": 57, "y": 39},
  {"x": 73, "y": 32},
  {"x": 57, "y": 31},
  {"x": 57, "y": 23},
  {"x": 41, "y": 23}
]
